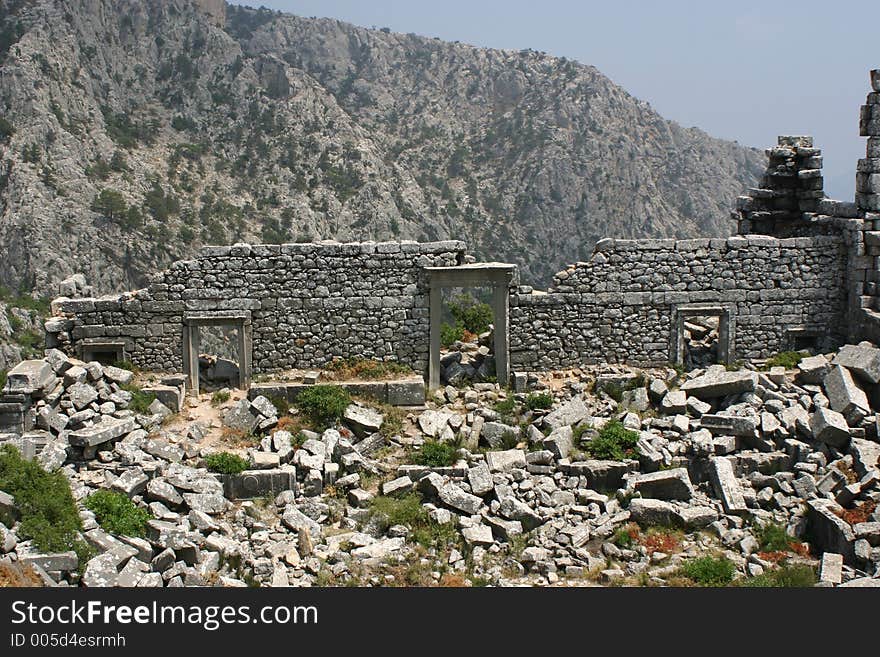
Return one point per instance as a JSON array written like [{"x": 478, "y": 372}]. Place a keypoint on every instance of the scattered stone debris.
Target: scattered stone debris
[{"x": 722, "y": 456}]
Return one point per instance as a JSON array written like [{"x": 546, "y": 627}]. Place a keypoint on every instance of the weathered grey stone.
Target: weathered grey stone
[
  {"x": 568, "y": 414},
  {"x": 397, "y": 486},
  {"x": 480, "y": 479},
  {"x": 674, "y": 484},
  {"x": 30, "y": 376},
  {"x": 118, "y": 375},
  {"x": 648, "y": 512},
  {"x": 813, "y": 369},
  {"x": 241, "y": 418},
  {"x": 453, "y": 496},
  {"x": 862, "y": 360},
  {"x": 560, "y": 442},
  {"x": 380, "y": 549},
  {"x": 162, "y": 491},
  {"x": 434, "y": 423},
  {"x": 829, "y": 427},
  {"x": 495, "y": 434},
  {"x": 210, "y": 503},
  {"x": 718, "y": 382},
  {"x": 362, "y": 420},
  {"x": 101, "y": 572},
  {"x": 502, "y": 461},
  {"x": 514, "y": 509},
  {"x": 726, "y": 486},
  {"x": 58, "y": 561},
  {"x": 478, "y": 535},
  {"x": 729, "y": 425},
  {"x": 674, "y": 401},
  {"x": 131, "y": 482},
  {"x": 295, "y": 520},
  {"x": 829, "y": 532},
  {"x": 831, "y": 568},
  {"x": 106, "y": 430},
  {"x": 845, "y": 396},
  {"x": 81, "y": 395}
]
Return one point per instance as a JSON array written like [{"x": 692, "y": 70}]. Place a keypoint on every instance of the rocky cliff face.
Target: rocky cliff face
[{"x": 133, "y": 132}]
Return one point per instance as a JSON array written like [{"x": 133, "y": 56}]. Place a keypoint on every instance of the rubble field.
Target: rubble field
[{"x": 761, "y": 475}]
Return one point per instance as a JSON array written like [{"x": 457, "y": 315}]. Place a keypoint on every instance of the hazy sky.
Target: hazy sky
[{"x": 744, "y": 70}]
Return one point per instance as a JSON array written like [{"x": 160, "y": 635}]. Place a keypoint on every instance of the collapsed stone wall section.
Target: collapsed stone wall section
[
  {"x": 620, "y": 306},
  {"x": 306, "y": 303}
]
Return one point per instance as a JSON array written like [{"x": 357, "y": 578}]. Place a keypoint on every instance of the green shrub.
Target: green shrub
[
  {"x": 220, "y": 397},
  {"x": 614, "y": 442},
  {"x": 49, "y": 515},
  {"x": 435, "y": 454},
  {"x": 709, "y": 571},
  {"x": 125, "y": 365},
  {"x": 6, "y": 129},
  {"x": 140, "y": 400},
  {"x": 623, "y": 538},
  {"x": 225, "y": 463},
  {"x": 772, "y": 537},
  {"x": 117, "y": 514},
  {"x": 3, "y": 374},
  {"x": 505, "y": 409},
  {"x": 786, "y": 359},
  {"x": 323, "y": 404},
  {"x": 787, "y": 575},
  {"x": 472, "y": 315},
  {"x": 363, "y": 368},
  {"x": 408, "y": 510},
  {"x": 542, "y": 401},
  {"x": 297, "y": 439},
  {"x": 449, "y": 334}
]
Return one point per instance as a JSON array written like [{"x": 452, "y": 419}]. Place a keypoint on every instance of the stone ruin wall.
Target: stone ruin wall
[
  {"x": 800, "y": 262},
  {"x": 619, "y": 306},
  {"x": 306, "y": 303}
]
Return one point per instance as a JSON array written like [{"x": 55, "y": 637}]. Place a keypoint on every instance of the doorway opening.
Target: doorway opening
[
  {"x": 106, "y": 353},
  {"x": 217, "y": 351},
  {"x": 464, "y": 342},
  {"x": 701, "y": 336}
]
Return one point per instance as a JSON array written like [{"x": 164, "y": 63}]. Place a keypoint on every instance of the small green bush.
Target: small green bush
[
  {"x": 541, "y": 400},
  {"x": 505, "y": 409},
  {"x": 220, "y": 397},
  {"x": 408, "y": 510},
  {"x": 787, "y": 575},
  {"x": 49, "y": 515},
  {"x": 786, "y": 359},
  {"x": 450, "y": 334},
  {"x": 623, "y": 538},
  {"x": 614, "y": 442},
  {"x": 140, "y": 400},
  {"x": 225, "y": 463},
  {"x": 117, "y": 514},
  {"x": 297, "y": 439},
  {"x": 772, "y": 537},
  {"x": 3, "y": 374},
  {"x": 709, "y": 571},
  {"x": 323, "y": 405},
  {"x": 125, "y": 365},
  {"x": 435, "y": 454}
]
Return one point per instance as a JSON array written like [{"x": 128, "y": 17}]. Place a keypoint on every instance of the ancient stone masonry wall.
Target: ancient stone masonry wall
[
  {"x": 305, "y": 303},
  {"x": 620, "y": 306}
]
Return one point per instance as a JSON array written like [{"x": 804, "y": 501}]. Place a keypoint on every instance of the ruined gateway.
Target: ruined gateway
[{"x": 729, "y": 449}]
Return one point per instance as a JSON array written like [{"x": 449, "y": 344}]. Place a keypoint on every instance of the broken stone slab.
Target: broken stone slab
[
  {"x": 81, "y": 395},
  {"x": 108, "y": 429},
  {"x": 131, "y": 482},
  {"x": 361, "y": 420},
  {"x": 478, "y": 535},
  {"x": 812, "y": 369},
  {"x": 727, "y": 486},
  {"x": 295, "y": 520},
  {"x": 480, "y": 479},
  {"x": 568, "y": 414},
  {"x": 170, "y": 397},
  {"x": 514, "y": 509},
  {"x": 560, "y": 441},
  {"x": 829, "y": 532},
  {"x": 453, "y": 496},
  {"x": 696, "y": 517},
  {"x": 503, "y": 461},
  {"x": 162, "y": 491},
  {"x": 718, "y": 382},
  {"x": 406, "y": 393},
  {"x": 101, "y": 572},
  {"x": 433, "y": 423},
  {"x": 265, "y": 460},
  {"x": 649, "y": 512},
  {"x": 57, "y": 561},
  {"x": 239, "y": 417},
  {"x": 831, "y": 568},
  {"x": 674, "y": 402},
  {"x": 830, "y": 427},
  {"x": 397, "y": 486},
  {"x": 380, "y": 549},
  {"x": 494, "y": 434},
  {"x": 674, "y": 484},
  {"x": 845, "y": 396},
  {"x": 724, "y": 424},
  {"x": 49, "y": 418},
  {"x": 259, "y": 483},
  {"x": 601, "y": 474},
  {"x": 210, "y": 503},
  {"x": 30, "y": 376},
  {"x": 862, "y": 359},
  {"x": 504, "y": 529}
]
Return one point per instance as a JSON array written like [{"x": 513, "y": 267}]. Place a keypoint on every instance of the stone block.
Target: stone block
[
  {"x": 406, "y": 393},
  {"x": 845, "y": 396},
  {"x": 726, "y": 486},
  {"x": 30, "y": 376},
  {"x": 259, "y": 483},
  {"x": 861, "y": 360},
  {"x": 830, "y": 427},
  {"x": 503, "y": 461},
  {"x": 674, "y": 484},
  {"x": 106, "y": 430},
  {"x": 718, "y": 382}
]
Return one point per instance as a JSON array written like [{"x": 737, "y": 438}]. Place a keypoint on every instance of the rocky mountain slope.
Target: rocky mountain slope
[{"x": 133, "y": 132}]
